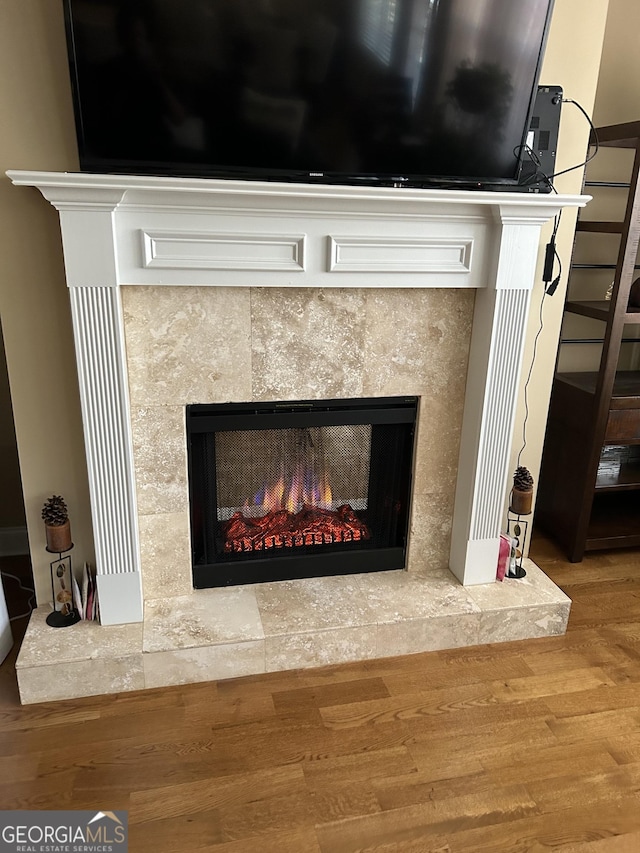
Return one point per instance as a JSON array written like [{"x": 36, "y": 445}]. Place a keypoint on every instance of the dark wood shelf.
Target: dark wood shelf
[
  {"x": 599, "y": 227},
  {"x": 589, "y": 486},
  {"x": 615, "y": 521},
  {"x": 626, "y": 481},
  {"x": 624, "y": 135},
  {"x": 613, "y": 184},
  {"x": 626, "y": 385},
  {"x": 621, "y": 474},
  {"x": 597, "y": 341},
  {"x": 598, "y": 267},
  {"x": 600, "y": 310}
]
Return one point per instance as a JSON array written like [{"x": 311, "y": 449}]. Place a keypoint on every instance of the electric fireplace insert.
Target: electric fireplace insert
[{"x": 299, "y": 489}]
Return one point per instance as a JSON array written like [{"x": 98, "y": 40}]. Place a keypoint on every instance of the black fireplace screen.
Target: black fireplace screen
[{"x": 291, "y": 490}]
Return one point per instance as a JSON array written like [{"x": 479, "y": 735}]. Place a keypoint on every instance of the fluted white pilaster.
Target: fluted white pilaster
[
  {"x": 495, "y": 361},
  {"x": 99, "y": 339}
]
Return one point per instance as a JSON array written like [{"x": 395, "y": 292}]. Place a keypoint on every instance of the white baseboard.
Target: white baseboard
[{"x": 13, "y": 541}]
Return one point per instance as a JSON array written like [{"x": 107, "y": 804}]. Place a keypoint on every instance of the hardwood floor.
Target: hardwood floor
[{"x": 527, "y": 746}]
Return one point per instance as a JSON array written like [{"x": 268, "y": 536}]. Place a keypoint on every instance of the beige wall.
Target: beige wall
[
  {"x": 11, "y": 506},
  {"x": 572, "y": 60},
  {"x": 38, "y": 133},
  {"x": 618, "y": 93}
]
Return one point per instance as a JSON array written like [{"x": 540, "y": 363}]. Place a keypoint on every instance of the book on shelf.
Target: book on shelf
[{"x": 85, "y": 594}]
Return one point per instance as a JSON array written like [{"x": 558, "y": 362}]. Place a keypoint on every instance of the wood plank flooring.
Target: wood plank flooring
[{"x": 527, "y": 746}]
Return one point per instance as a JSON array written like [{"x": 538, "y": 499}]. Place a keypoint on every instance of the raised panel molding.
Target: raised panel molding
[
  {"x": 375, "y": 254},
  {"x": 219, "y": 251}
]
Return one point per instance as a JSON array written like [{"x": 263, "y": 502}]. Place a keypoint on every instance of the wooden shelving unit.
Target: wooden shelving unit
[
  {"x": 600, "y": 310},
  {"x": 589, "y": 490}
]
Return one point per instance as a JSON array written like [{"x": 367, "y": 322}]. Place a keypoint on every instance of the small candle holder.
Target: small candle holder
[
  {"x": 518, "y": 532},
  {"x": 64, "y": 612}
]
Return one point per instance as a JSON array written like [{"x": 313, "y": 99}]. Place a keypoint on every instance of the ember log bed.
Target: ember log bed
[{"x": 283, "y": 529}]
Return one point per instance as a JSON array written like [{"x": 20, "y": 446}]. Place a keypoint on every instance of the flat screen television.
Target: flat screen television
[{"x": 416, "y": 92}]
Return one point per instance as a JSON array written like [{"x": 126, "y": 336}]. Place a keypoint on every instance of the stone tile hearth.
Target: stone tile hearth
[{"x": 235, "y": 631}]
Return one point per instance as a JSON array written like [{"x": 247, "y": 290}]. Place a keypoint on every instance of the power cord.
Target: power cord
[
  {"x": 594, "y": 134},
  {"x": 526, "y": 384},
  {"x": 550, "y": 287},
  {"x": 551, "y": 253},
  {"x": 539, "y": 175},
  {"x": 551, "y": 256}
]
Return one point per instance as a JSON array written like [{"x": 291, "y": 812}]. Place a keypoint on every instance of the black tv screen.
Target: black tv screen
[{"x": 428, "y": 92}]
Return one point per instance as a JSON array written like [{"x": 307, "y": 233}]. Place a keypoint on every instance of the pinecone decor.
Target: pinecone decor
[
  {"x": 57, "y": 525},
  {"x": 55, "y": 511},
  {"x": 522, "y": 492},
  {"x": 522, "y": 479}
]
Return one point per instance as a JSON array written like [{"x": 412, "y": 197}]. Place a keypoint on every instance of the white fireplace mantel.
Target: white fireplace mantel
[{"x": 121, "y": 230}]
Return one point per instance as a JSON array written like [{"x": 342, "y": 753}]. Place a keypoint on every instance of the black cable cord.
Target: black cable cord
[
  {"x": 551, "y": 289},
  {"x": 550, "y": 286},
  {"x": 550, "y": 283},
  {"x": 526, "y": 384},
  {"x": 551, "y": 256},
  {"x": 539, "y": 175},
  {"x": 596, "y": 145}
]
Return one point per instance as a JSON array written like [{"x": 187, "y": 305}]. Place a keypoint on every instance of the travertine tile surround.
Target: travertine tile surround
[
  {"x": 194, "y": 344},
  {"x": 223, "y": 633},
  {"x": 212, "y": 345}
]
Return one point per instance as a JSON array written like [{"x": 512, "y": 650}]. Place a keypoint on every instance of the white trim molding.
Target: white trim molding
[
  {"x": 120, "y": 230},
  {"x": 375, "y": 255},
  {"x": 208, "y": 251}
]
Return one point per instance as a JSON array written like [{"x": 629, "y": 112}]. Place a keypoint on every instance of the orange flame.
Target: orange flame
[
  {"x": 326, "y": 496},
  {"x": 303, "y": 489},
  {"x": 274, "y": 495}
]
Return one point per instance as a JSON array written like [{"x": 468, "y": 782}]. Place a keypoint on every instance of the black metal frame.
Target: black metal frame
[
  {"x": 57, "y": 619},
  {"x": 318, "y": 560}
]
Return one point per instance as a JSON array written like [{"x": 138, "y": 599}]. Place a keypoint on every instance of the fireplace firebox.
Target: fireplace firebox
[{"x": 299, "y": 489}]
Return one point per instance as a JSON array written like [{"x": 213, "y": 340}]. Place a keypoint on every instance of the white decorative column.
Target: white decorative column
[
  {"x": 495, "y": 361},
  {"x": 90, "y": 251},
  {"x": 153, "y": 231}
]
